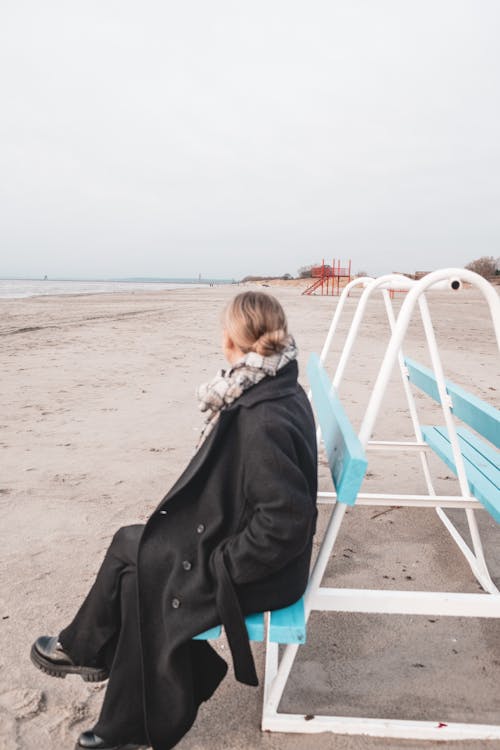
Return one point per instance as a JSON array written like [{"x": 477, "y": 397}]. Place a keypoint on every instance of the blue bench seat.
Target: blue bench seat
[
  {"x": 287, "y": 625},
  {"x": 481, "y": 463},
  {"x": 481, "y": 460}
]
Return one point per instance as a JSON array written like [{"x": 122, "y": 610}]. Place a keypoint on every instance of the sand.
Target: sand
[{"x": 98, "y": 418}]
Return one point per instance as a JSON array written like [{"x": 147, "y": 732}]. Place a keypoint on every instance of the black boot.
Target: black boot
[
  {"x": 91, "y": 741},
  {"x": 48, "y": 655}
]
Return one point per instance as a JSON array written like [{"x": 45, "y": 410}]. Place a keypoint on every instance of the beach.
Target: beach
[{"x": 98, "y": 417}]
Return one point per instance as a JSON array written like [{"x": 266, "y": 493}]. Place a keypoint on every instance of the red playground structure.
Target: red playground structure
[{"x": 328, "y": 278}]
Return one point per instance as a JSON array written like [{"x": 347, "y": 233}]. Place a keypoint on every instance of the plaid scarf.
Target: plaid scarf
[{"x": 229, "y": 385}]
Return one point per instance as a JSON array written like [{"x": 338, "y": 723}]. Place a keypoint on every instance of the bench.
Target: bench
[
  {"x": 348, "y": 463},
  {"x": 287, "y": 625},
  {"x": 481, "y": 462}
]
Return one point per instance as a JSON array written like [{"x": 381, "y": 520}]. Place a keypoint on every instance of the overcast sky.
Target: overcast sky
[{"x": 172, "y": 138}]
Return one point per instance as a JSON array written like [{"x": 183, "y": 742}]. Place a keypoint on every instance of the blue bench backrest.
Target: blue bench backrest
[
  {"x": 346, "y": 456},
  {"x": 478, "y": 414}
]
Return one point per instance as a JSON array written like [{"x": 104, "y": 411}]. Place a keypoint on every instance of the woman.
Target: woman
[{"x": 232, "y": 536}]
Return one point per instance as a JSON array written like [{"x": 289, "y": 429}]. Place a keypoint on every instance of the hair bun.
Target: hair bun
[
  {"x": 271, "y": 342},
  {"x": 256, "y": 322}
]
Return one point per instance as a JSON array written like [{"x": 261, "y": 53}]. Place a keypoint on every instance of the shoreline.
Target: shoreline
[
  {"x": 70, "y": 295},
  {"x": 80, "y": 290}
]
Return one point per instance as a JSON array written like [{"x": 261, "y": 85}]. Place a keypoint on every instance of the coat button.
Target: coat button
[
  {"x": 176, "y": 603},
  {"x": 186, "y": 565},
  {"x": 200, "y": 528},
  {"x": 163, "y": 512}
]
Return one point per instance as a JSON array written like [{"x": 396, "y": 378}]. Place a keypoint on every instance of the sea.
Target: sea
[{"x": 17, "y": 288}]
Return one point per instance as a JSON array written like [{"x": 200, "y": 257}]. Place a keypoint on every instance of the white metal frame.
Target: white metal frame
[{"x": 383, "y": 601}]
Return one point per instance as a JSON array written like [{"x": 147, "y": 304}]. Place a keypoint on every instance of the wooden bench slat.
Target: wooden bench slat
[
  {"x": 490, "y": 454},
  {"x": 345, "y": 453},
  {"x": 255, "y": 629},
  {"x": 472, "y": 410},
  {"x": 209, "y": 635},
  {"x": 475, "y": 453},
  {"x": 288, "y": 625},
  {"x": 479, "y": 415},
  {"x": 423, "y": 378},
  {"x": 255, "y": 626},
  {"x": 480, "y": 486}
]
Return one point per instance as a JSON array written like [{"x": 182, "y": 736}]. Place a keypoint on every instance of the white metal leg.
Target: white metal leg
[
  {"x": 480, "y": 573},
  {"x": 391, "y": 728},
  {"x": 277, "y": 686},
  {"x": 405, "y": 501},
  {"x": 356, "y": 322},
  {"x": 409, "y": 396},
  {"x": 387, "y": 601},
  {"x": 338, "y": 312},
  {"x": 271, "y": 666},
  {"x": 324, "y": 554},
  {"x": 443, "y": 395},
  {"x": 476, "y": 560},
  {"x": 478, "y": 550},
  {"x": 397, "y": 445}
]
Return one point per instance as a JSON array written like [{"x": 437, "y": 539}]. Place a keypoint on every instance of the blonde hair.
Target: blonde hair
[{"x": 256, "y": 322}]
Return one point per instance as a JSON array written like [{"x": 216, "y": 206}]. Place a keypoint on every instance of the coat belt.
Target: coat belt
[{"x": 229, "y": 609}]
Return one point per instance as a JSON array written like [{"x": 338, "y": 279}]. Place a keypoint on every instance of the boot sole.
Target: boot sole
[{"x": 88, "y": 674}]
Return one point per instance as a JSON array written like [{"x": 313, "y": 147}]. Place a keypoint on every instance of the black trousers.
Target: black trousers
[{"x": 105, "y": 632}]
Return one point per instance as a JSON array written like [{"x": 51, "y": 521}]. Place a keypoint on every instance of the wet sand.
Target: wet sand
[{"x": 97, "y": 419}]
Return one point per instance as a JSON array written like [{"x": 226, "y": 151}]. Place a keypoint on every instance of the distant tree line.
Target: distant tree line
[
  {"x": 285, "y": 277},
  {"x": 486, "y": 266}
]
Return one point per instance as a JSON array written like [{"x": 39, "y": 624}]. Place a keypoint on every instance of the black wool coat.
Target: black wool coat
[{"x": 232, "y": 536}]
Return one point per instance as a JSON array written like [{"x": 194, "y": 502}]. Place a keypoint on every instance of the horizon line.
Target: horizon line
[{"x": 125, "y": 279}]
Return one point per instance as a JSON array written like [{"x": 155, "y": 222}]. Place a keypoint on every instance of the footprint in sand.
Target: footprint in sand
[{"x": 23, "y": 703}]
